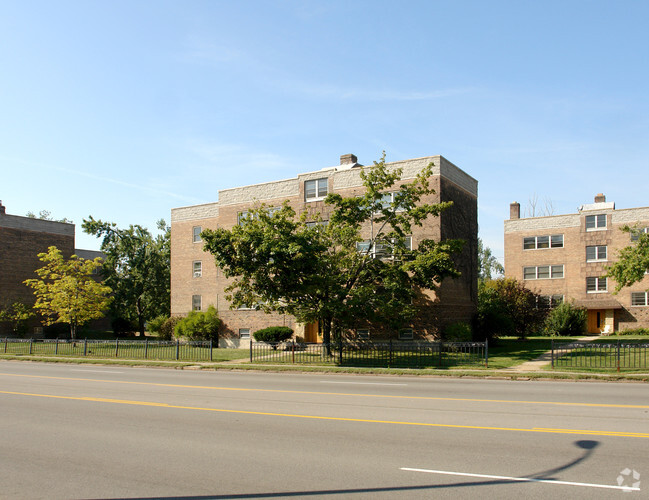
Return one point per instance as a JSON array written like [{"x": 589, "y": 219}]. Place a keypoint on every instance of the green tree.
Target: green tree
[
  {"x": 356, "y": 267},
  {"x": 506, "y": 307},
  {"x": 137, "y": 267},
  {"x": 200, "y": 325},
  {"x": 488, "y": 265},
  {"x": 633, "y": 260},
  {"x": 47, "y": 215},
  {"x": 566, "y": 320},
  {"x": 67, "y": 292},
  {"x": 17, "y": 315}
]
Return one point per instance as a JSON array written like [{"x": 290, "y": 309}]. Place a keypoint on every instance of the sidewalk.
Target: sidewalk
[{"x": 544, "y": 359}]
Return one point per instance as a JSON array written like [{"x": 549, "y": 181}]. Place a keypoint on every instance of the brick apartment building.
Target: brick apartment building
[
  {"x": 196, "y": 283},
  {"x": 564, "y": 257},
  {"x": 21, "y": 240}
]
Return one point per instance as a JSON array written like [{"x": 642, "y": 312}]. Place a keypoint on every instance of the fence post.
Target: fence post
[
  {"x": 618, "y": 355},
  {"x": 251, "y": 350},
  {"x": 486, "y": 353},
  {"x": 341, "y": 351},
  {"x": 56, "y": 349},
  {"x": 5, "y": 345},
  {"x": 177, "y": 349},
  {"x": 211, "y": 347},
  {"x": 85, "y": 347},
  {"x": 31, "y": 346},
  {"x": 116, "y": 347},
  {"x": 146, "y": 348},
  {"x": 390, "y": 355},
  {"x": 439, "y": 361},
  {"x": 552, "y": 353},
  {"x": 293, "y": 349}
]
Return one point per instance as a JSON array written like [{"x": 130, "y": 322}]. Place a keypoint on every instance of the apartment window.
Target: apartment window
[
  {"x": 540, "y": 242},
  {"x": 596, "y": 253},
  {"x": 197, "y": 302},
  {"x": 244, "y": 333},
  {"x": 198, "y": 269},
  {"x": 543, "y": 272},
  {"x": 640, "y": 298},
  {"x": 363, "y": 333},
  {"x": 548, "y": 301},
  {"x": 595, "y": 284},
  {"x": 245, "y": 215},
  {"x": 382, "y": 250},
  {"x": 635, "y": 233},
  {"x": 321, "y": 223},
  {"x": 196, "y": 234},
  {"x": 595, "y": 222},
  {"x": 406, "y": 334},
  {"x": 315, "y": 189}
]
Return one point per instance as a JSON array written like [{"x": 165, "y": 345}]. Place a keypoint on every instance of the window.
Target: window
[
  {"x": 382, "y": 250},
  {"x": 595, "y": 253},
  {"x": 595, "y": 222},
  {"x": 540, "y": 242},
  {"x": 198, "y": 269},
  {"x": 635, "y": 234},
  {"x": 242, "y": 216},
  {"x": 405, "y": 334},
  {"x": 363, "y": 333},
  {"x": 197, "y": 302},
  {"x": 196, "y": 232},
  {"x": 548, "y": 301},
  {"x": 322, "y": 223},
  {"x": 596, "y": 284},
  {"x": 244, "y": 333},
  {"x": 543, "y": 272},
  {"x": 315, "y": 189},
  {"x": 640, "y": 298}
]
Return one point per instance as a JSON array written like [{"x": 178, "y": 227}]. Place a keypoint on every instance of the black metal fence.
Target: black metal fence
[
  {"x": 121, "y": 349},
  {"x": 389, "y": 354},
  {"x": 619, "y": 355}
]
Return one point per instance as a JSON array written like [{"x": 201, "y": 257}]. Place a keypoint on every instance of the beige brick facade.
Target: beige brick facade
[
  {"x": 455, "y": 301},
  {"x": 584, "y": 255}
]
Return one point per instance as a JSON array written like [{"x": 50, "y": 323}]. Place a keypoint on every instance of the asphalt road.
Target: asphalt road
[{"x": 80, "y": 431}]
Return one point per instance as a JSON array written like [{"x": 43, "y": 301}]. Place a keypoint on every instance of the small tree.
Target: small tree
[
  {"x": 633, "y": 260},
  {"x": 199, "y": 325},
  {"x": 566, "y": 320},
  {"x": 488, "y": 265},
  {"x": 17, "y": 315},
  {"x": 273, "y": 334},
  {"x": 66, "y": 291}
]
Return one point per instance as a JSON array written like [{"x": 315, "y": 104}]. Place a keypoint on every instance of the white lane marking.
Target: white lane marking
[
  {"x": 356, "y": 383},
  {"x": 94, "y": 371},
  {"x": 523, "y": 479}
]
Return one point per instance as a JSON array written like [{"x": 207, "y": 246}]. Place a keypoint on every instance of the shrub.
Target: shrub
[
  {"x": 154, "y": 325},
  {"x": 167, "y": 328},
  {"x": 273, "y": 334},
  {"x": 566, "y": 320},
  {"x": 457, "y": 332},
  {"x": 122, "y": 326},
  {"x": 198, "y": 325}
]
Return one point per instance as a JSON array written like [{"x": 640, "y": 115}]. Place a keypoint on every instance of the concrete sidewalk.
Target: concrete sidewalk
[{"x": 544, "y": 359}]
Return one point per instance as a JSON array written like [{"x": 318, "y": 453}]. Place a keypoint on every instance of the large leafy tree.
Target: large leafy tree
[
  {"x": 137, "y": 267},
  {"x": 66, "y": 290},
  {"x": 633, "y": 260},
  {"x": 355, "y": 267}
]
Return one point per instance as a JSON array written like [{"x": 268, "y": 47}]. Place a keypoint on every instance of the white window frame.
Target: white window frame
[
  {"x": 598, "y": 252},
  {"x": 196, "y": 235},
  {"x": 406, "y": 334},
  {"x": 645, "y": 297},
  {"x": 635, "y": 234},
  {"x": 552, "y": 272},
  {"x": 551, "y": 242},
  {"x": 197, "y": 303},
  {"x": 363, "y": 333},
  {"x": 377, "y": 249},
  {"x": 552, "y": 301},
  {"x": 317, "y": 184},
  {"x": 598, "y": 284},
  {"x": 244, "y": 334},
  {"x": 596, "y": 222},
  {"x": 197, "y": 269}
]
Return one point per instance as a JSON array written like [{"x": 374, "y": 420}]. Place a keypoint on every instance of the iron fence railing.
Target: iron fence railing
[
  {"x": 619, "y": 355},
  {"x": 397, "y": 354},
  {"x": 121, "y": 349}
]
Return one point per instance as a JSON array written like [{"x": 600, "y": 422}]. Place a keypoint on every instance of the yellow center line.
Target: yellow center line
[
  {"x": 339, "y": 419},
  {"x": 317, "y": 393}
]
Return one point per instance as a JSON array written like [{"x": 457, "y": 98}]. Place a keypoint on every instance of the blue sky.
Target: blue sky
[{"x": 124, "y": 110}]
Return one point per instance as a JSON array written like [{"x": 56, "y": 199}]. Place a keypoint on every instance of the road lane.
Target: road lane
[{"x": 108, "y": 449}]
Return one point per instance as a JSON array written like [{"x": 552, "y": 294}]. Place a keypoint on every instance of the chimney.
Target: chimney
[
  {"x": 348, "y": 158},
  {"x": 2, "y": 208},
  {"x": 600, "y": 198},
  {"x": 515, "y": 210}
]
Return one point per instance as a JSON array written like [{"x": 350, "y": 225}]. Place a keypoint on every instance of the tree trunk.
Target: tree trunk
[{"x": 73, "y": 331}]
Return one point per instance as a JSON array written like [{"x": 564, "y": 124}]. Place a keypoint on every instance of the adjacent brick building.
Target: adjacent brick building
[
  {"x": 564, "y": 257},
  {"x": 196, "y": 283}
]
